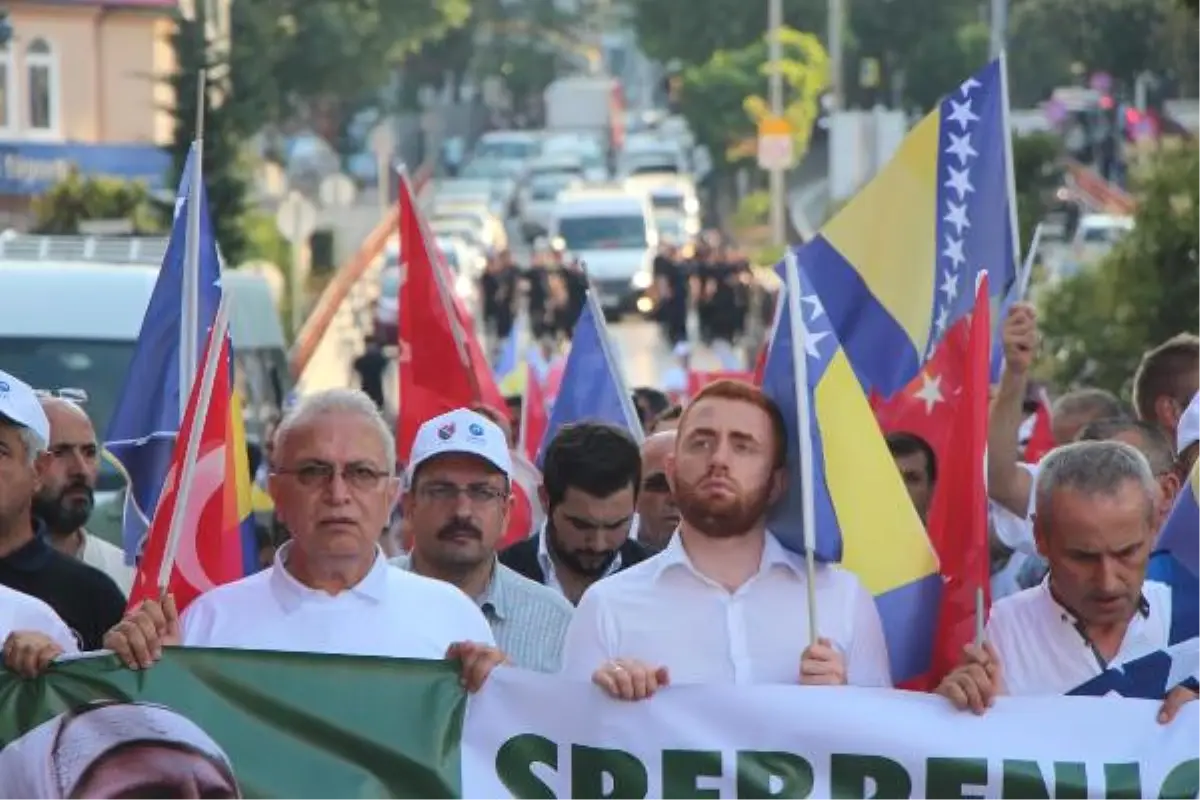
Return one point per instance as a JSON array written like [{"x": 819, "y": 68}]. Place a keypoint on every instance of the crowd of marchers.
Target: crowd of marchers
[{"x": 654, "y": 565}]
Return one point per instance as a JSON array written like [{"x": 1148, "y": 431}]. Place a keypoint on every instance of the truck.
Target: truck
[{"x": 587, "y": 104}]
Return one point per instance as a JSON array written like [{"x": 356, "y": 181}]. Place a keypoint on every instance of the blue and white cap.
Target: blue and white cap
[
  {"x": 1188, "y": 432},
  {"x": 460, "y": 431},
  {"x": 19, "y": 404}
]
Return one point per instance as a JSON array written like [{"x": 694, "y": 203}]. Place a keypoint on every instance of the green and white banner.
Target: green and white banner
[{"x": 255, "y": 724}]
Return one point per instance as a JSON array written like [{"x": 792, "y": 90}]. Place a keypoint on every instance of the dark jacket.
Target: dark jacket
[{"x": 522, "y": 557}]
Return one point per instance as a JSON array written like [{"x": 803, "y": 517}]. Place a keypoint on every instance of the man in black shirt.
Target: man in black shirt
[
  {"x": 84, "y": 597},
  {"x": 671, "y": 282},
  {"x": 371, "y": 367}
]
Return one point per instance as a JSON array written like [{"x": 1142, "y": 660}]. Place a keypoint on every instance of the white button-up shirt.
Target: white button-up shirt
[
  {"x": 1042, "y": 650},
  {"x": 665, "y": 612},
  {"x": 391, "y": 612}
]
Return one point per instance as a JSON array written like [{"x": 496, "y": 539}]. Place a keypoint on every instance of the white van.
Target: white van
[
  {"x": 74, "y": 324},
  {"x": 613, "y": 234}
]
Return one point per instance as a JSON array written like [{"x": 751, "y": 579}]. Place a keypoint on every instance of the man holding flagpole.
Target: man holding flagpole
[{"x": 725, "y": 602}]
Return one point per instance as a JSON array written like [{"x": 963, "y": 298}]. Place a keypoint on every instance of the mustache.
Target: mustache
[{"x": 459, "y": 527}]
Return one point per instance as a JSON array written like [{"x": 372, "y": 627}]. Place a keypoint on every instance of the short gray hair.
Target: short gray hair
[
  {"x": 34, "y": 445},
  {"x": 1094, "y": 467},
  {"x": 1095, "y": 403},
  {"x": 337, "y": 401}
]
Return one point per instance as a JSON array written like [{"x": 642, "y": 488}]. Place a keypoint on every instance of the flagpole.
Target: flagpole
[
  {"x": 189, "y": 318},
  {"x": 804, "y": 430},
  {"x": 1010, "y": 168},
  {"x": 191, "y": 451},
  {"x": 1027, "y": 271},
  {"x": 632, "y": 420}
]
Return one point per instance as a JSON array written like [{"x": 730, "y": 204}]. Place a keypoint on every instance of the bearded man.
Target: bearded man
[
  {"x": 66, "y": 499},
  {"x": 725, "y": 602}
]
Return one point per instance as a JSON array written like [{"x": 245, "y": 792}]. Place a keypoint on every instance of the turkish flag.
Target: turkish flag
[
  {"x": 442, "y": 366},
  {"x": 947, "y": 406},
  {"x": 534, "y": 417},
  {"x": 209, "y": 550},
  {"x": 1041, "y": 436}
]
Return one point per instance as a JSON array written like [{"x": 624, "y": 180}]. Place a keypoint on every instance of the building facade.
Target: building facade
[{"x": 81, "y": 87}]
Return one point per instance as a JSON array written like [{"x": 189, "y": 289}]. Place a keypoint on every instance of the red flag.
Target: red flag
[
  {"x": 210, "y": 547},
  {"x": 534, "y": 418},
  {"x": 947, "y": 406},
  {"x": 526, "y": 517},
  {"x": 442, "y": 366},
  {"x": 698, "y": 380},
  {"x": 1041, "y": 438}
]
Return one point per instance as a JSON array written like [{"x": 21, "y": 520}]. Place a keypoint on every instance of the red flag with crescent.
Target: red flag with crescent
[{"x": 210, "y": 548}]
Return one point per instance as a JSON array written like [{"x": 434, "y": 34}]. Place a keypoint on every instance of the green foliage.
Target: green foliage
[
  {"x": 76, "y": 199},
  {"x": 722, "y": 102},
  {"x": 1038, "y": 175},
  {"x": 292, "y": 54},
  {"x": 1099, "y": 322},
  {"x": 223, "y": 164},
  {"x": 694, "y": 32},
  {"x": 753, "y": 210}
]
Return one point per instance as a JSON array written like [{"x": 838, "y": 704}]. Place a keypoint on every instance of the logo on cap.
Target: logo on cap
[
  {"x": 446, "y": 431},
  {"x": 4, "y": 387},
  {"x": 476, "y": 429}
]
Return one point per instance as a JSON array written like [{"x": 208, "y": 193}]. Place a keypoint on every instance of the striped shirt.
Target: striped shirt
[{"x": 528, "y": 620}]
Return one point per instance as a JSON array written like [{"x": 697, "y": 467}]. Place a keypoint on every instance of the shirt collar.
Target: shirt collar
[
  {"x": 774, "y": 554},
  {"x": 291, "y": 593},
  {"x": 1068, "y": 616},
  {"x": 547, "y": 564},
  {"x": 495, "y": 596}
]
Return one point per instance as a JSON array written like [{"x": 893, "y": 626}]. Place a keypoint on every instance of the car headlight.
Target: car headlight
[{"x": 641, "y": 280}]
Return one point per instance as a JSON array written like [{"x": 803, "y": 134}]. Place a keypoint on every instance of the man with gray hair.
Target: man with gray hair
[
  {"x": 330, "y": 589},
  {"x": 1095, "y": 525}
]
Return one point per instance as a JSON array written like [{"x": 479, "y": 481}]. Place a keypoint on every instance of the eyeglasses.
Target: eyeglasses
[
  {"x": 449, "y": 493},
  {"x": 77, "y": 396},
  {"x": 319, "y": 475}
]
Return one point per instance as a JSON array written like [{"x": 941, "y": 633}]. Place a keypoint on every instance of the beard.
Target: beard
[
  {"x": 587, "y": 563},
  {"x": 65, "y": 513},
  {"x": 721, "y": 517}
]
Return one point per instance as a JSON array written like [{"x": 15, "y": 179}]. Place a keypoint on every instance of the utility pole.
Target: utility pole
[
  {"x": 777, "y": 173},
  {"x": 998, "y": 28}
]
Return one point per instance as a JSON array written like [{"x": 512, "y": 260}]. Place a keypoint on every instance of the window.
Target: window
[
  {"x": 42, "y": 71},
  {"x": 6, "y": 88}
]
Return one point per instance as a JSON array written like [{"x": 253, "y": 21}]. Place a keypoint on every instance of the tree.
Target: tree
[
  {"x": 1098, "y": 323},
  {"x": 76, "y": 199},
  {"x": 320, "y": 57},
  {"x": 1037, "y": 173},
  {"x": 722, "y": 97},
  {"x": 223, "y": 162},
  {"x": 695, "y": 33}
]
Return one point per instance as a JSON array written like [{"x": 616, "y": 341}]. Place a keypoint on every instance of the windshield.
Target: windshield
[
  {"x": 547, "y": 185},
  {"x": 1104, "y": 235},
  {"x": 97, "y": 367},
  {"x": 505, "y": 150},
  {"x": 667, "y": 202},
  {"x": 603, "y": 233}
]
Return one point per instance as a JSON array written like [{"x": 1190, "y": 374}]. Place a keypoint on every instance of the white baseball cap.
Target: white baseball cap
[
  {"x": 20, "y": 405},
  {"x": 460, "y": 431},
  {"x": 1188, "y": 432}
]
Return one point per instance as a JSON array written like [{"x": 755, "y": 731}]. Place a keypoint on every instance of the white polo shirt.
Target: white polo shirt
[
  {"x": 1042, "y": 650},
  {"x": 665, "y": 612},
  {"x": 22, "y": 612},
  {"x": 391, "y": 612}
]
